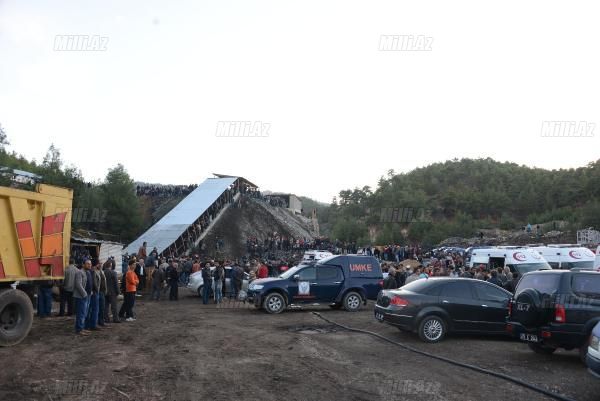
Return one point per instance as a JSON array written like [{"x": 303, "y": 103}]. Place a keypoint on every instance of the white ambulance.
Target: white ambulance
[
  {"x": 313, "y": 255},
  {"x": 567, "y": 256},
  {"x": 597, "y": 262},
  {"x": 517, "y": 258}
]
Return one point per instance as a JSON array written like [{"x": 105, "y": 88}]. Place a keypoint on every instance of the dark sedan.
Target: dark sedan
[{"x": 435, "y": 306}]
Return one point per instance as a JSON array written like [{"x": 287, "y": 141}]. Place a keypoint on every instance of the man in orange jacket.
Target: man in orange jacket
[{"x": 131, "y": 283}]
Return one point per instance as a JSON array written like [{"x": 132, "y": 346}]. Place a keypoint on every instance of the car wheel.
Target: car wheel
[
  {"x": 541, "y": 349},
  {"x": 274, "y": 303},
  {"x": 352, "y": 301},
  {"x": 432, "y": 329},
  {"x": 16, "y": 316}
]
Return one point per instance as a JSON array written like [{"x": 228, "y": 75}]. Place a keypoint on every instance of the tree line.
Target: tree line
[
  {"x": 460, "y": 197},
  {"x": 109, "y": 206}
]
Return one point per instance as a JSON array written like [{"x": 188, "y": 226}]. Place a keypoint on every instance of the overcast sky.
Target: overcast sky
[{"x": 338, "y": 112}]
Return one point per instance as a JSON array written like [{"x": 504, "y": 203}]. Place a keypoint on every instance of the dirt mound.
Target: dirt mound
[{"x": 254, "y": 219}]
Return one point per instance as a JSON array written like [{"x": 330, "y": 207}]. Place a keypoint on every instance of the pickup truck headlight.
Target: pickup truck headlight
[
  {"x": 255, "y": 287},
  {"x": 595, "y": 343}
]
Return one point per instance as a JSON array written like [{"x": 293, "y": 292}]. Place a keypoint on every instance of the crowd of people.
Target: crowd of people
[
  {"x": 288, "y": 243},
  {"x": 395, "y": 253},
  {"x": 156, "y": 190},
  {"x": 443, "y": 264},
  {"x": 89, "y": 292}
]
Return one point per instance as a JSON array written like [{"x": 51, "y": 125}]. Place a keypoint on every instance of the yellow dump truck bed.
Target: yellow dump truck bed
[{"x": 35, "y": 231}]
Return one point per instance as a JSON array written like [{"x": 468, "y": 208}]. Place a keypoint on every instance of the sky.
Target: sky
[{"x": 327, "y": 108}]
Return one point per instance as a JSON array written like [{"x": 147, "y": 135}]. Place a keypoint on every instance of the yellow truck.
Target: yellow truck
[{"x": 35, "y": 231}]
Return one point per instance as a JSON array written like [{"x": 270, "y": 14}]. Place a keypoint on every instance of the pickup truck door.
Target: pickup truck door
[
  {"x": 303, "y": 289},
  {"x": 329, "y": 283}
]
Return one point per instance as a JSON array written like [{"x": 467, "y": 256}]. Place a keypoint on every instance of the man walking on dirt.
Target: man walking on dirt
[
  {"x": 91, "y": 322},
  {"x": 173, "y": 277},
  {"x": 81, "y": 291},
  {"x": 66, "y": 290},
  {"x": 219, "y": 277},
  {"x": 158, "y": 278},
  {"x": 207, "y": 283},
  {"x": 112, "y": 292}
]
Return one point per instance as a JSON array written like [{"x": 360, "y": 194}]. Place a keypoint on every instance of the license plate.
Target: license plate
[
  {"x": 379, "y": 316},
  {"x": 532, "y": 338}
]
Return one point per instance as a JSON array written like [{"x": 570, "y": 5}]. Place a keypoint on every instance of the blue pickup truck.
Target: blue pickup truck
[{"x": 346, "y": 281}]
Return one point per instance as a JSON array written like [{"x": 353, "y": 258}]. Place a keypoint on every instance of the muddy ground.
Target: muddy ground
[{"x": 186, "y": 351}]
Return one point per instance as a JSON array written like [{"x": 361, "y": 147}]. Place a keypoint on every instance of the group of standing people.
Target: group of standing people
[{"x": 90, "y": 292}]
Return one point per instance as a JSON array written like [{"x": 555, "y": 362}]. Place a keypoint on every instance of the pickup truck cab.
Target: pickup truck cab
[{"x": 346, "y": 281}]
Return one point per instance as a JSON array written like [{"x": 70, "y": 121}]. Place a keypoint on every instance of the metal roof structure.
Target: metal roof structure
[{"x": 168, "y": 229}]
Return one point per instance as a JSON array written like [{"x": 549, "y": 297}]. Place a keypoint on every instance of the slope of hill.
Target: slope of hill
[
  {"x": 463, "y": 196},
  {"x": 255, "y": 219}
]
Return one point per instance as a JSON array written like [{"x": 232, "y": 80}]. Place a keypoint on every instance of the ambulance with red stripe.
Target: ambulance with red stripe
[
  {"x": 35, "y": 231},
  {"x": 521, "y": 259},
  {"x": 567, "y": 256}
]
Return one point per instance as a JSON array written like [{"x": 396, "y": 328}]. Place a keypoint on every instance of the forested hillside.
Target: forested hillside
[
  {"x": 458, "y": 197},
  {"x": 110, "y": 206}
]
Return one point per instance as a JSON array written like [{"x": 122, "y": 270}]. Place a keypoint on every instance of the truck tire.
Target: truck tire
[
  {"x": 274, "y": 303},
  {"x": 352, "y": 301},
  {"x": 16, "y": 316}
]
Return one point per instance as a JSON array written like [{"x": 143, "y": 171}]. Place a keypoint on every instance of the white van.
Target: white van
[
  {"x": 517, "y": 258},
  {"x": 567, "y": 256},
  {"x": 597, "y": 262}
]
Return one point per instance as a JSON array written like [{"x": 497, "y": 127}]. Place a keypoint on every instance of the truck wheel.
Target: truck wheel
[
  {"x": 541, "y": 349},
  {"x": 432, "y": 329},
  {"x": 274, "y": 303},
  {"x": 16, "y": 317},
  {"x": 352, "y": 301}
]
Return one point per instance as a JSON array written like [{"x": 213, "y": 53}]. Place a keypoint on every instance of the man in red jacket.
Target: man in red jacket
[{"x": 263, "y": 271}]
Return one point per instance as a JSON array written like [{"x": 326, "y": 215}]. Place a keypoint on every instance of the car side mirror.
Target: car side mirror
[{"x": 296, "y": 277}]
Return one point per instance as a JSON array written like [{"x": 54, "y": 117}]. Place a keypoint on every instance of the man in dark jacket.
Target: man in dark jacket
[
  {"x": 91, "y": 321},
  {"x": 400, "y": 277},
  {"x": 158, "y": 279},
  {"x": 511, "y": 284},
  {"x": 390, "y": 281},
  {"x": 173, "y": 277},
  {"x": 207, "y": 285},
  {"x": 112, "y": 292},
  {"x": 494, "y": 278}
]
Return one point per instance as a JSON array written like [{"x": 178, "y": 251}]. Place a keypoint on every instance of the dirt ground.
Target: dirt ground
[{"x": 186, "y": 351}]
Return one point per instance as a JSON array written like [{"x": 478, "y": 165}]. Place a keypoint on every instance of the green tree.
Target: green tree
[
  {"x": 3, "y": 138},
  {"x": 123, "y": 212}
]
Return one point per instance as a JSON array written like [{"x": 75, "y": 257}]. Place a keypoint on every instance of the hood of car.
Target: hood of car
[{"x": 266, "y": 280}]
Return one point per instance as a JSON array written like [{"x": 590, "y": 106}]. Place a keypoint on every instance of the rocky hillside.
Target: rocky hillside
[{"x": 254, "y": 219}]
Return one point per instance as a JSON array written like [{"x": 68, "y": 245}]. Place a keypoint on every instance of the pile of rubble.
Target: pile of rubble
[{"x": 505, "y": 237}]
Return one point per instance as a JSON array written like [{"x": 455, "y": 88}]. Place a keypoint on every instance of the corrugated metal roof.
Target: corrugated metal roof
[{"x": 166, "y": 231}]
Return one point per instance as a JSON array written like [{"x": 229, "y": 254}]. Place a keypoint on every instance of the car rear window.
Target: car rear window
[
  {"x": 544, "y": 283},
  {"x": 420, "y": 286},
  {"x": 457, "y": 289},
  {"x": 586, "y": 284}
]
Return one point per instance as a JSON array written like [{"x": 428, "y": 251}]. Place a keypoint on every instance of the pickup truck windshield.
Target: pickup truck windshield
[{"x": 290, "y": 273}]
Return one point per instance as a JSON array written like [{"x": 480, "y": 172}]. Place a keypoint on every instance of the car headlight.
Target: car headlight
[
  {"x": 595, "y": 343},
  {"x": 256, "y": 286}
]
